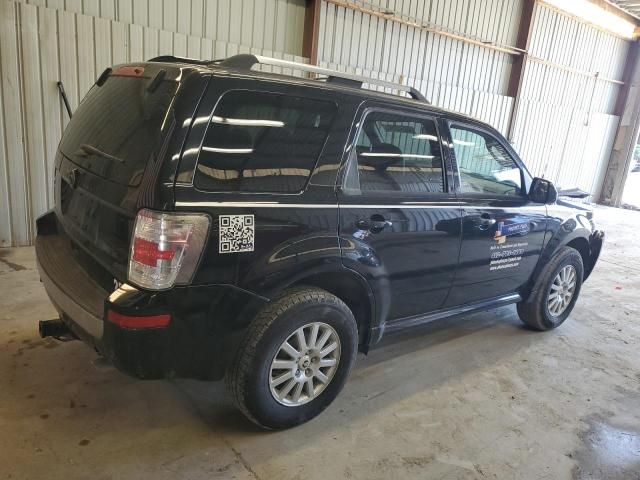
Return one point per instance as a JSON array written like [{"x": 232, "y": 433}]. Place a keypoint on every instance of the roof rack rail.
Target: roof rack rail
[
  {"x": 246, "y": 61},
  {"x": 173, "y": 59}
]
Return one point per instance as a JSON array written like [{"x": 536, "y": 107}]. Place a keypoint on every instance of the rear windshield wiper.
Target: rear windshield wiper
[{"x": 95, "y": 151}]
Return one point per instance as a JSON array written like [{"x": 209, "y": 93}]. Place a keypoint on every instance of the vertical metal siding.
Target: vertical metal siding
[
  {"x": 353, "y": 39},
  {"x": 38, "y": 47},
  {"x": 564, "y": 128},
  {"x": 451, "y": 73},
  {"x": 16, "y": 226},
  {"x": 270, "y": 24},
  {"x": 565, "y": 125},
  {"x": 565, "y": 41}
]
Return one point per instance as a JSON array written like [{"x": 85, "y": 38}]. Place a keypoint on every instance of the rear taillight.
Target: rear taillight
[{"x": 165, "y": 248}]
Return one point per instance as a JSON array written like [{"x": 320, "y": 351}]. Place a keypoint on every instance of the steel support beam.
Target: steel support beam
[
  {"x": 628, "y": 108},
  {"x": 618, "y": 10},
  {"x": 514, "y": 87},
  {"x": 311, "y": 31}
]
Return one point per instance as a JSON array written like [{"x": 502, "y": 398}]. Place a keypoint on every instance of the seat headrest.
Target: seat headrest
[
  {"x": 379, "y": 160},
  {"x": 387, "y": 148}
]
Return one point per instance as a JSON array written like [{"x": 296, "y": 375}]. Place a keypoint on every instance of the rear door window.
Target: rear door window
[
  {"x": 262, "y": 142},
  {"x": 397, "y": 153}
]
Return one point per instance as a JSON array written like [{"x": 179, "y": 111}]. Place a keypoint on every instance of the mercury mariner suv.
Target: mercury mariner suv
[{"x": 217, "y": 220}]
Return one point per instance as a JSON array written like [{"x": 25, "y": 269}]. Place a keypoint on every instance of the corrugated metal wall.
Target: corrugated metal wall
[
  {"x": 269, "y": 24},
  {"x": 563, "y": 128},
  {"x": 39, "y": 46},
  {"x": 565, "y": 124},
  {"x": 451, "y": 73}
]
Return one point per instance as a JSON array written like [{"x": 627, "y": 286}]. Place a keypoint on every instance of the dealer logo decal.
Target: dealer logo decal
[
  {"x": 503, "y": 255},
  {"x": 503, "y": 231}
]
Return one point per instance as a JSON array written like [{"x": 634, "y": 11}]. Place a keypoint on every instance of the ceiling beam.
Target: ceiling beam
[{"x": 615, "y": 7}]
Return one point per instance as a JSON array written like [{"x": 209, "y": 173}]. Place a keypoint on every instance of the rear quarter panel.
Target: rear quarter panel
[
  {"x": 295, "y": 234},
  {"x": 293, "y": 238}
]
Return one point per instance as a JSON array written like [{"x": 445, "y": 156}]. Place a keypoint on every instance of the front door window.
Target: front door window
[{"x": 484, "y": 164}]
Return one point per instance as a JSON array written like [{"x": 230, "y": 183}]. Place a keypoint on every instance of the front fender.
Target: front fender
[
  {"x": 595, "y": 247},
  {"x": 576, "y": 230}
]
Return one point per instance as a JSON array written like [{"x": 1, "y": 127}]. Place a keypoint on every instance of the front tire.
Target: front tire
[
  {"x": 554, "y": 292},
  {"x": 295, "y": 358}
]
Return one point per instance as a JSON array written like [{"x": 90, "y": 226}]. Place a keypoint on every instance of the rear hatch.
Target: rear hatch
[{"x": 112, "y": 157}]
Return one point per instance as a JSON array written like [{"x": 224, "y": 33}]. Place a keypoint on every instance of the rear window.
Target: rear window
[
  {"x": 116, "y": 128},
  {"x": 262, "y": 142}
]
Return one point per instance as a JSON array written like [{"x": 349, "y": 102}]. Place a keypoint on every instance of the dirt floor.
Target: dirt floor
[{"x": 476, "y": 397}]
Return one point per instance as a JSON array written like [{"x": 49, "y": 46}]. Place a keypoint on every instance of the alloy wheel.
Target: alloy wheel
[
  {"x": 304, "y": 364},
  {"x": 562, "y": 290}
]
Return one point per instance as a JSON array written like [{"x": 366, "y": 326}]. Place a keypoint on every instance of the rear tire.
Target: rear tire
[
  {"x": 295, "y": 358},
  {"x": 554, "y": 292}
]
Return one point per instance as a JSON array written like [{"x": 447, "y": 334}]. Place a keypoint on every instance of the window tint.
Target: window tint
[
  {"x": 484, "y": 165},
  {"x": 117, "y": 127},
  {"x": 262, "y": 142},
  {"x": 398, "y": 153}
]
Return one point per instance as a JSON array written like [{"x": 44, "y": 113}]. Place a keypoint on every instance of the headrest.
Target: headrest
[
  {"x": 386, "y": 148},
  {"x": 377, "y": 156}
]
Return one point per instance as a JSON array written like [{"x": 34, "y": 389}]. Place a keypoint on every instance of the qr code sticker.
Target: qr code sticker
[{"x": 237, "y": 233}]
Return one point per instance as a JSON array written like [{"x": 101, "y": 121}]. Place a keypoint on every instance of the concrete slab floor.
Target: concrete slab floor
[{"x": 476, "y": 397}]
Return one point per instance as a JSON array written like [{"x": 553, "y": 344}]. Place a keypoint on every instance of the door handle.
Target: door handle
[
  {"x": 375, "y": 224},
  {"x": 484, "y": 221},
  {"x": 379, "y": 225}
]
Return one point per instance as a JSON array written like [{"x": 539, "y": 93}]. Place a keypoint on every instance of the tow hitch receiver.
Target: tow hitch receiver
[{"x": 57, "y": 329}]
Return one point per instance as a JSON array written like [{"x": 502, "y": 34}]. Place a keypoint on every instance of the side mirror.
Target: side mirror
[{"x": 543, "y": 191}]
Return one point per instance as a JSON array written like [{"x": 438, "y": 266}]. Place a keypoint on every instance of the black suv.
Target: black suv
[{"x": 212, "y": 220}]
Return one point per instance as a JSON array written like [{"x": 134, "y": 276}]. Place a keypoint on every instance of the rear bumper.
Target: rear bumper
[
  {"x": 77, "y": 298},
  {"x": 207, "y": 322}
]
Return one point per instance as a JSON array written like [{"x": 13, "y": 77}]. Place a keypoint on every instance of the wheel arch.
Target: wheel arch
[
  {"x": 353, "y": 290},
  {"x": 581, "y": 244},
  {"x": 577, "y": 239}
]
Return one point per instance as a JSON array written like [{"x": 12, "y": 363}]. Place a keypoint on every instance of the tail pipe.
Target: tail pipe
[{"x": 56, "y": 329}]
